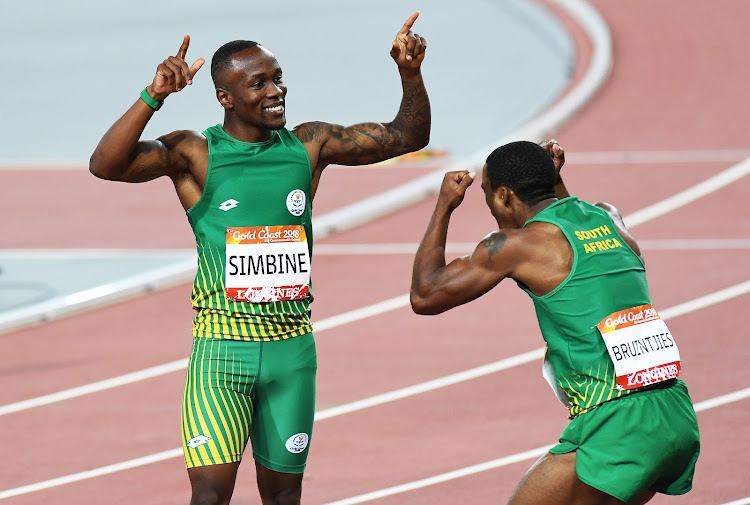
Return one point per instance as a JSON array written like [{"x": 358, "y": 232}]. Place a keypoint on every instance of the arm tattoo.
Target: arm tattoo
[
  {"x": 494, "y": 243},
  {"x": 414, "y": 114},
  {"x": 371, "y": 142}
]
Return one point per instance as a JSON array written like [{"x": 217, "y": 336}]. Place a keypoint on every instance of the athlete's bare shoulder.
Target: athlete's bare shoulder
[
  {"x": 187, "y": 153},
  {"x": 185, "y": 143},
  {"x": 620, "y": 225},
  {"x": 548, "y": 257}
]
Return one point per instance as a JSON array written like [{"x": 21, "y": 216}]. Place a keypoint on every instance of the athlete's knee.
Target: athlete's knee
[
  {"x": 212, "y": 485},
  {"x": 209, "y": 496},
  {"x": 278, "y": 488},
  {"x": 285, "y": 496}
]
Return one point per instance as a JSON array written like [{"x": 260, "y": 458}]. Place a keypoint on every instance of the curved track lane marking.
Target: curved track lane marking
[
  {"x": 339, "y": 320},
  {"x": 744, "y": 501},
  {"x": 681, "y": 199},
  {"x": 514, "y": 458},
  {"x": 181, "y": 364},
  {"x": 718, "y": 181},
  {"x": 513, "y": 361},
  {"x": 651, "y": 157},
  {"x": 463, "y": 472}
]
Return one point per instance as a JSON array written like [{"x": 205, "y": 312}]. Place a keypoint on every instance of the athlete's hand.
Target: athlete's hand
[
  {"x": 173, "y": 74},
  {"x": 408, "y": 48},
  {"x": 453, "y": 188},
  {"x": 557, "y": 153}
]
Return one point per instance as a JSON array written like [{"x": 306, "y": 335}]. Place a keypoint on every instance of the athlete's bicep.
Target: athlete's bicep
[
  {"x": 152, "y": 159},
  {"x": 464, "y": 279},
  {"x": 149, "y": 160}
]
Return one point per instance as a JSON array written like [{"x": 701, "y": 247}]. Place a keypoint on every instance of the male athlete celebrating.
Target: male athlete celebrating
[
  {"x": 247, "y": 187},
  {"x": 610, "y": 358}
]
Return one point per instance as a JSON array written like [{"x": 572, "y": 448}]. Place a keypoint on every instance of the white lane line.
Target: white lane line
[
  {"x": 437, "y": 479},
  {"x": 448, "y": 380},
  {"x": 473, "y": 373},
  {"x": 332, "y": 322},
  {"x": 722, "y": 400},
  {"x": 691, "y": 194},
  {"x": 181, "y": 364},
  {"x": 90, "y": 474},
  {"x": 743, "y": 501},
  {"x": 705, "y": 244},
  {"x": 67, "y": 394},
  {"x": 706, "y": 301},
  {"x": 361, "y": 313},
  {"x": 409, "y": 248},
  {"x": 651, "y": 157},
  {"x": 398, "y": 394},
  {"x": 514, "y": 458}
]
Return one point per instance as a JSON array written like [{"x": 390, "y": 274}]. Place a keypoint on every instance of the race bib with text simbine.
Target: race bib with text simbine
[
  {"x": 267, "y": 263},
  {"x": 640, "y": 346}
]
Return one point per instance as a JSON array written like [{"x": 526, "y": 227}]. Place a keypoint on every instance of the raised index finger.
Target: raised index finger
[
  {"x": 182, "y": 51},
  {"x": 409, "y": 23}
]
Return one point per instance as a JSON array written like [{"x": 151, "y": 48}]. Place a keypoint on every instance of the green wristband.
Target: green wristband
[{"x": 153, "y": 103}]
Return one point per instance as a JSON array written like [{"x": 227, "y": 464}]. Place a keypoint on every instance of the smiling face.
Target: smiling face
[{"x": 252, "y": 93}]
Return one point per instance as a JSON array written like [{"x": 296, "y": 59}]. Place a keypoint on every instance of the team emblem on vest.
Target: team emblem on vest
[{"x": 295, "y": 202}]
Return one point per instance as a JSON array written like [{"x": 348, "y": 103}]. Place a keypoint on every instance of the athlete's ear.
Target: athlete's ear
[
  {"x": 224, "y": 98},
  {"x": 503, "y": 194}
]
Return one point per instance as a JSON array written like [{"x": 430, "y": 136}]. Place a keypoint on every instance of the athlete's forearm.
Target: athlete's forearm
[{"x": 413, "y": 122}]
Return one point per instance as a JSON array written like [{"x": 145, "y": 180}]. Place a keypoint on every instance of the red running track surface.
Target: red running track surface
[{"x": 678, "y": 84}]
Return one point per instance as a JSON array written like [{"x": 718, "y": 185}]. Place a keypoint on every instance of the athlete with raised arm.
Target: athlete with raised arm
[
  {"x": 247, "y": 187},
  {"x": 610, "y": 358}
]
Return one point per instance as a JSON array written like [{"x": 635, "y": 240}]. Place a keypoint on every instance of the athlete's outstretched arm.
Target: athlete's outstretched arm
[
  {"x": 366, "y": 143},
  {"x": 437, "y": 286},
  {"x": 120, "y": 155}
]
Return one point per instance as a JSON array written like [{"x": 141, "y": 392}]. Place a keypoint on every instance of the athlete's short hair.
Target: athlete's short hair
[
  {"x": 223, "y": 55},
  {"x": 526, "y": 168}
]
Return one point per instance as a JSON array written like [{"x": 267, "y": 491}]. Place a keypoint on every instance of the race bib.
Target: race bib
[
  {"x": 267, "y": 264},
  {"x": 640, "y": 346}
]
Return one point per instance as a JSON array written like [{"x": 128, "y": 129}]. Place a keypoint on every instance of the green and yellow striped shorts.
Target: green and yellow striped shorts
[{"x": 237, "y": 390}]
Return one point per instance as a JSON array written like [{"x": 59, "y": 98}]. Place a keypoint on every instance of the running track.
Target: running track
[{"x": 677, "y": 88}]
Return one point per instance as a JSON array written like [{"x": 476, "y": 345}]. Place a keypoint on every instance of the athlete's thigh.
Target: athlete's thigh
[
  {"x": 285, "y": 404},
  {"x": 553, "y": 481},
  {"x": 217, "y": 405}
]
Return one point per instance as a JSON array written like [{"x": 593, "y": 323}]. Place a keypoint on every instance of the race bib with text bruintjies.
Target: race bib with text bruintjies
[
  {"x": 267, "y": 263},
  {"x": 640, "y": 346}
]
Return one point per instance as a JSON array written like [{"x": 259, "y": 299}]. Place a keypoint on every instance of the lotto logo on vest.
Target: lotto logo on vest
[
  {"x": 229, "y": 204},
  {"x": 295, "y": 202},
  {"x": 198, "y": 441}
]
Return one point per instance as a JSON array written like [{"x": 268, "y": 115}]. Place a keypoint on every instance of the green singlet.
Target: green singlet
[
  {"x": 606, "y": 276},
  {"x": 253, "y": 192},
  {"x": 644, "y": 441}
]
